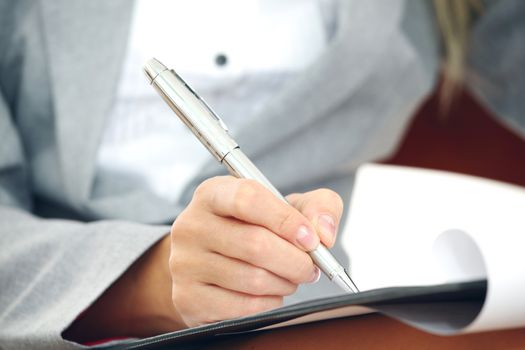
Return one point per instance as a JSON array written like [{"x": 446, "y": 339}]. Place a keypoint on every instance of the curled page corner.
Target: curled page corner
[
  {"x": 456, "y": 258},
  {"x": 457, "y": 255},
  {"x": 403, "y": 220}
]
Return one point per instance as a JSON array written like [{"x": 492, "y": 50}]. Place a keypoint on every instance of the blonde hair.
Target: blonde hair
[{"x": 454, "y": 19}]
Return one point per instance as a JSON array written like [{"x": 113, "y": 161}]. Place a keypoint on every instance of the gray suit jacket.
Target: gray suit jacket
[{"x": 59, "y": 63}]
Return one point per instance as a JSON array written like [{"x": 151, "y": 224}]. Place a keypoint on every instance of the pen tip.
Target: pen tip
[
  {"x": 152, "y": 68},
  {"x": 345, "y": 282}
]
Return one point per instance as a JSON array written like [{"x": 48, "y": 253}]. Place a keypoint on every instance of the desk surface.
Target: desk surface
[{"x": 366, "y": 332}]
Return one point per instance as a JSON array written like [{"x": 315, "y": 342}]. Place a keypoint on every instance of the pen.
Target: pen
[{"x": 213, "y": 134}]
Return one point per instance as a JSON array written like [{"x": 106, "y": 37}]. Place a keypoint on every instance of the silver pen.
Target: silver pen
[{"x": 213, "y": 134}]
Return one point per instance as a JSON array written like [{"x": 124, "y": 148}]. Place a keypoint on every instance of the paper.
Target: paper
[
  {"x": 413, "y": 227},
  {"x": 409, "y": 226}
]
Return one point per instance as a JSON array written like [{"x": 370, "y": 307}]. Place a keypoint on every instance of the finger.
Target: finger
[
  {"x": 324, "y": 208},
  {"x": 241, "y": 277},
  {"x": 257, "y": 246},
  {"x": 249, "y": 201},
  {"x": 217, "y": 304}
]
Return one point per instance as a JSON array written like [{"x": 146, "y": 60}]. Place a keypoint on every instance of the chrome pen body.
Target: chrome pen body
[{"x": 213, "y": 134}]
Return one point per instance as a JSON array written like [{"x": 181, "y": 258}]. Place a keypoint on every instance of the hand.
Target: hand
[
  {"x": 235, "y": 250},
  {"x": 238, "y": 250}
]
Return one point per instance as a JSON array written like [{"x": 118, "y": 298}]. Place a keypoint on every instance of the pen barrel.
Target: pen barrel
[
  {"x": 194, "y": 112},
  {"x": 239, "y": 165}
]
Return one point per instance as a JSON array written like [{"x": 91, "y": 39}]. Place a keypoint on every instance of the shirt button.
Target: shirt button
[{"x": 221, "y": 60}]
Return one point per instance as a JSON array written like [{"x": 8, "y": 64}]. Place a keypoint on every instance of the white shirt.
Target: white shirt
[{"x": 261, "y": 44}]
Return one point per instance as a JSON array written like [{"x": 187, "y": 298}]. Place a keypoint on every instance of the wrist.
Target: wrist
[
  {"x": 151, "y": 307},
  {"x": 138, "y": 304}
]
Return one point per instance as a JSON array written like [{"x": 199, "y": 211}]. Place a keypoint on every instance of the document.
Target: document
[{"x": 436, "y": 250}]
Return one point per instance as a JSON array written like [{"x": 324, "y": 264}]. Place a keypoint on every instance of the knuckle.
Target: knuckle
[
  {"x": 245, "y": 196},
  {"x": 177, "y": 265},
  {"x": 250, "y": 247},
  {"x": 182, "y": 227},
  {"x": 257, "y": 243},
  {"x": 257, "y": 246},
  {"x": 173, "y": 263},
  {"x": 178, "y": 225},
  {"x": 191, "y": 224},
  {"x": 203, "y": 188},
  {"x": 286, "y": 220},
  {"x": 258, "y": 282},
  {"x": 205, "y": 192}
]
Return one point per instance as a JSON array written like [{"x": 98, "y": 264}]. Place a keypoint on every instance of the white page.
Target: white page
[{"x": 398, "y": 213}]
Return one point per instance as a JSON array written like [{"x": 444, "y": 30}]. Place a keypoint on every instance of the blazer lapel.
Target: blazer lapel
[{"x": 86, "y": 42}]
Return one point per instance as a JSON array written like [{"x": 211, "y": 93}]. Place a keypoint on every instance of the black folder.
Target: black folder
[{"x": 452, "y": 306}]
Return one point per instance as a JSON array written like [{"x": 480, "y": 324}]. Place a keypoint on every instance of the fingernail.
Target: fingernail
[
  {"x": 306, "y": 238},
  {"x": 327, "y": 226},
  {"x": 316, "y": 275}
]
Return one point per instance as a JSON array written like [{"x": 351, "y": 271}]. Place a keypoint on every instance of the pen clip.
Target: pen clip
[{"x": 219, "y": 120}]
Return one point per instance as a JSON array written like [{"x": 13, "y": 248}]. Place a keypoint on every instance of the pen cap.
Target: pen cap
[{"x": 191, "y": 109}]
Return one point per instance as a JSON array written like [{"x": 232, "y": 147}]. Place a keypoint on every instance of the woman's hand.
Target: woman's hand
[
  {"x": 234, "y": 251},
  {"x": 238, "y": 250}
]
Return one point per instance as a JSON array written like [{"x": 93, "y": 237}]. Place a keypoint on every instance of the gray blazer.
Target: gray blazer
[{"x": 67, "y": 232}]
